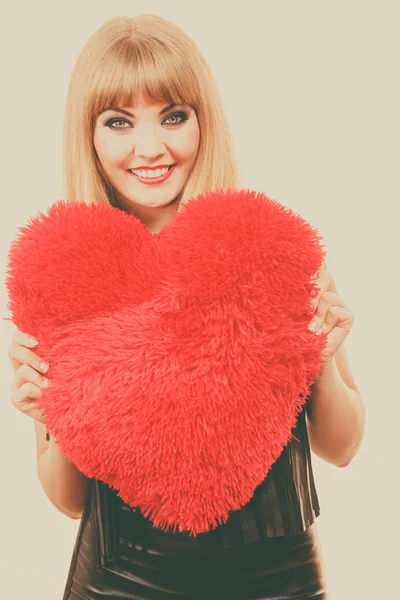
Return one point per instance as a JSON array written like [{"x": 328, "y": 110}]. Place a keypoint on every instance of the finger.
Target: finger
[
  {"x": 24, "y": 339},
  {"x": 24, "y": 396},
  {"x": 326, "y": 300},
  {"x": 319, "y": 272},
  {"x": 20, "y": 355},
  {"x": 25, "y": 400},
  {"x": 336, "y": 316},
  {"x": 26, "y": 374},
  {"x": 20, "y": 339},
  {"x": 322, "y": 282}
]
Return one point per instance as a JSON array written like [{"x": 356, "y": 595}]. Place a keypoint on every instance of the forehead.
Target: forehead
[
  {"x": 146, "y": 109},
  {"x": 147, "y": 90},
  {"x": 139, "y": 101},
  {"x": 134, "y": 105}
]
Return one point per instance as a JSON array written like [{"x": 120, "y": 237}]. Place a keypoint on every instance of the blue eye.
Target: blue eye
[{"x": 182, "y": 116}]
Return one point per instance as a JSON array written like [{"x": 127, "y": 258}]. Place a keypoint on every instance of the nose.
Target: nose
[{"x": 148, "y": 143}]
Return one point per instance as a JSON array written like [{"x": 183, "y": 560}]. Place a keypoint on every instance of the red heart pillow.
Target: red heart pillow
[{"x": 178, "y": 361}]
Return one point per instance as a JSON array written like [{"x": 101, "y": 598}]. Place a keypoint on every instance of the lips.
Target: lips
[
  {"x": 154, "y": 180},
  {"x": 141, "y": 167}
]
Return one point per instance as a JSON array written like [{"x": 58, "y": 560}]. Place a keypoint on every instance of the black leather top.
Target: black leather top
[
  {"x": 284, "y": 504},
  {"x": 267, "y": 549}
]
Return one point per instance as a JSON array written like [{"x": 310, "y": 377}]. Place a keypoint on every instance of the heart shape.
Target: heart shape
[{"x": 178, "y": 361}]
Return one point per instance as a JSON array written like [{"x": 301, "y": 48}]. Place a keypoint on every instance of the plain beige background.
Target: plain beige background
[{"x": 311, "y": 93}]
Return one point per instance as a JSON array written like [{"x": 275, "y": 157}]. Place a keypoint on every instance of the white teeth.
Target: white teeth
[{"x": 150, "y": 174}]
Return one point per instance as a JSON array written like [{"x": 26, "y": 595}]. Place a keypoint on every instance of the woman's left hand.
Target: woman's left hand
[{"x": 332, "y": 316}]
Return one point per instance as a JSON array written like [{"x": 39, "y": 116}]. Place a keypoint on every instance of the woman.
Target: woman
[{"x": 144, "y": 131}]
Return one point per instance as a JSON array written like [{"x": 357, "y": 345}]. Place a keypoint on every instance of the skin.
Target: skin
[{"x": 148, "y": 139}]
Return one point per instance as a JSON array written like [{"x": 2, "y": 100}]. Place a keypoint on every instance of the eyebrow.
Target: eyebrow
[{"x": 126, "y": 112}]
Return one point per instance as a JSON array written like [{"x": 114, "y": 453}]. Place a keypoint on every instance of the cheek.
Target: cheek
[
  {"x": 109, "y": 149},
  {"x": 186, "y": 146}
]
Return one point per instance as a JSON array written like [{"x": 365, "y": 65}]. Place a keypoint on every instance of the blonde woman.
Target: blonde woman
[{"x": 145, "y": 131}]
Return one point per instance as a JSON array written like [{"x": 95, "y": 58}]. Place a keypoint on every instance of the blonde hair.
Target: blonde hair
[{"x": 152, "y": 57}]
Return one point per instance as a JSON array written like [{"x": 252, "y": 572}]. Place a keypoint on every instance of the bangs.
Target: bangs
[{"x": 146, "y": 68}]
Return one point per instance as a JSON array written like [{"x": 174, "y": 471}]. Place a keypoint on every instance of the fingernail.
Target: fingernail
[
  {"x": 33, "y": 341},
  {"x": 45, "y": 383},
  {"x": 312, "y": 325},
  {"x": 44, "y": 367}
]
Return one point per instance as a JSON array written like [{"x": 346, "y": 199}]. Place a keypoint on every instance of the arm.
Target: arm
[
  {"x": 64, "y": 485},
  {"x": 335, "y": 413}
]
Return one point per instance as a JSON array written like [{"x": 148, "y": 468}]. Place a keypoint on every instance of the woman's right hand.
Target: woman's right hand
[{"x": 29, "y": 379}]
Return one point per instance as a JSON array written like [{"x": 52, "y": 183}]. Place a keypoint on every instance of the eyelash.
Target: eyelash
[{"x": 182, "y": 115}]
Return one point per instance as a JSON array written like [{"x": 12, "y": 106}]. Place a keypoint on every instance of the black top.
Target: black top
[{"x": 284, "y": 504}]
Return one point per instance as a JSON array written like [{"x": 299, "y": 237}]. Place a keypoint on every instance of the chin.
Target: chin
[{"x": 154, "y": 200}]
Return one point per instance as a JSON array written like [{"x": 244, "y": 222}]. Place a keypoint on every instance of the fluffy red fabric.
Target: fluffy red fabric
[{"x": 179, "y": 361}]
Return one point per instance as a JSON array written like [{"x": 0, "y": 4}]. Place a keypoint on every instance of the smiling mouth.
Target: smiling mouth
[
  {"x": 153, "y": 169},
  {"x": 154, "y": 179}
]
